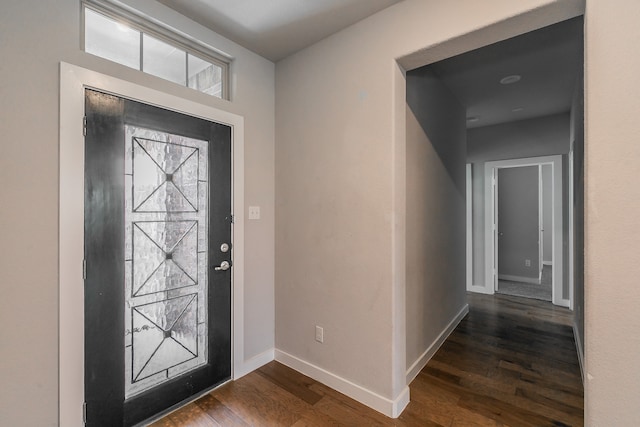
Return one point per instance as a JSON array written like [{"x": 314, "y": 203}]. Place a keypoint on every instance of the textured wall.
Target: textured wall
[
  {"x": 612, "y": 203},
  {"x": 435, "y": 251}
]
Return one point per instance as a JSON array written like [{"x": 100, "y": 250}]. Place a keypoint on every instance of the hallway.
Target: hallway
[{"x": 511, "y": 361}]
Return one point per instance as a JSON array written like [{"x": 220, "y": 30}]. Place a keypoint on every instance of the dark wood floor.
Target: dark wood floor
[{"x": 511, "y": 362}]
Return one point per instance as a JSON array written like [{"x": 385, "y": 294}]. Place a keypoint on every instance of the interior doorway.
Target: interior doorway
[
  {"x": 521, "y": 243},
  {"x": 531, "y": 145},
  {"x": 514, "y": 254}
]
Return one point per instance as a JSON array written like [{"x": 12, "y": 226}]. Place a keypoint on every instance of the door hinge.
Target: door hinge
[
  {"x": 84, "y": 126},
  {"x": 231, "y": 218},
  {"x": 84, "y": 412},
  {"x": 84, "y": 269}
]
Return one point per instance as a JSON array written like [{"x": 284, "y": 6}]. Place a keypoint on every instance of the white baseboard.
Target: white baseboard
[
  {"x": 391, "y": 408},
  {"x": 480, "y": 290},
  {"x": 523, "y": 279},
  {"x": 576, "y": 338},
  {"x": 547, "y": 263},
  {"x": 422, "y": 361},
  {"x": 254, "y": 363}
]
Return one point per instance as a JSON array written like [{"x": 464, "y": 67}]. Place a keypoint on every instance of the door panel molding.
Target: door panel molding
[{"x": 73, "y": 81}]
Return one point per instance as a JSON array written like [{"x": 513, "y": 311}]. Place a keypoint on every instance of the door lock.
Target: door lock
[
  {"x": 224, "y": 266},
  {"x": 224, "y": 247}
]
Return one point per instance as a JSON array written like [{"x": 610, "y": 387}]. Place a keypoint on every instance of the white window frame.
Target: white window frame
[{"x": 164, "y": 33}]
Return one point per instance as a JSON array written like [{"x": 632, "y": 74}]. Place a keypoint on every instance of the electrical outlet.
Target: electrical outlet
[
  {"x": 527, "y": 263},
  {"x": 319, "y": 334},
  {"x": 254, "y": 212}
]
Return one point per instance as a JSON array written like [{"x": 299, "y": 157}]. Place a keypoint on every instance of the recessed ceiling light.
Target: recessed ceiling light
[
  {"x": 517, "y": 109},
  {"x": 473, "y": 119},
  {"x": 510, "y": 79}
]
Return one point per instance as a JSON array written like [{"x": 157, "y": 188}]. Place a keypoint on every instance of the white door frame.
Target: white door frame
[
  {"x": 541, "y": 208},
  {"x": 570, "y": 206},
  {"x": 469, "y": 201},
  {"x": 490, "y": 169},
  {"x": 73, "y": 81}
]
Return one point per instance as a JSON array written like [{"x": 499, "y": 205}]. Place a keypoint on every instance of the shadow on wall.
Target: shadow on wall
[
  {"x": 435, "y": 215},
  {"x": 441, "y": 130}
]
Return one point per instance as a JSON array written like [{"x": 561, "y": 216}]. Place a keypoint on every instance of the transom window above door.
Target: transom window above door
[{"x": 123, "y": 38}]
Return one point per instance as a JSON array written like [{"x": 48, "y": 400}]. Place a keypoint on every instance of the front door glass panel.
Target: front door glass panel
[{"x": 166, "y": 214}]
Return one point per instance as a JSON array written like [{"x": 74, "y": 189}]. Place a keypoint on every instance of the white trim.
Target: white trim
[
  {"x": 547, "y": 262},
  {"x": 540, "y": 222},
  {"x": 400, "y": 402},
  {"x": 479, "y": 289},
  {"x": 73, "y": 81},
  {"x": 469, "y": 197},
  {"x": 511, "y": 278},
  {"x": 391, "y": 408},
  {"x": 576, "y": 338},
  {"x": 571, "y": 231},
  {"x": 424, "y": 358},
  {"x": 398, "y": 321},
  {"x": 557, "y": 224},
  {"x": 254, "y": 363}
]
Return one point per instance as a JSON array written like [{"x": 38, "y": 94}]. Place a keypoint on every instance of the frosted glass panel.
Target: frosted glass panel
[
  {"x": 165, "y": 256},
  {"x": 111, "y": 40},
  {"x": 163, "y": 60},
  {"x": 165, "y": 251},
  {"x": 205, "y": 76},
  {"x": 167, "y": 335},
  {"x": 165, "y": 178}
]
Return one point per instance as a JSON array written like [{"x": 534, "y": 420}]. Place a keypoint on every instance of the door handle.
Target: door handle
[{"x": 224, "y": 266}]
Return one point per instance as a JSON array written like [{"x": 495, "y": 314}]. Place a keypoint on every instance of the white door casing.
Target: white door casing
[
  {"x": 490, "y": 218},
  {"x": 73, "y": 81}
]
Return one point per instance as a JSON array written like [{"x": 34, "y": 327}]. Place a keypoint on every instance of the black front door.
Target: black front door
[{"x": 157, "y": 253}]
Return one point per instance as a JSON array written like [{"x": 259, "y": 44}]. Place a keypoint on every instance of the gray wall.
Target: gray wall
[
  {"x": 577, "y": 136},
  {"x": 435, "y": 221},
  {"x": 547, "y": 212},
  {"x": 538, "y": 137},
  {"x": 518, "y": 223},
  {"x": 541, "y": 136}
]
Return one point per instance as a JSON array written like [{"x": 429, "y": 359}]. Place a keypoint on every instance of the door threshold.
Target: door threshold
[{"x": 181, "y": 405}]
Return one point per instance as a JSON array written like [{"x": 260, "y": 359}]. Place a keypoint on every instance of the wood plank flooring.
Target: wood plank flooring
[{"x": 511, "y": 362}]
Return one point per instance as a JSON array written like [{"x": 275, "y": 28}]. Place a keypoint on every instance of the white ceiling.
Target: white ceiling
[
  {"x": 277, "y": 28},
  {"x": 548, "y": 61}
]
